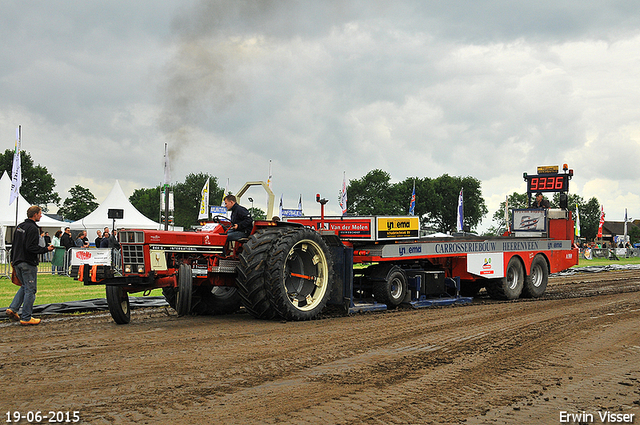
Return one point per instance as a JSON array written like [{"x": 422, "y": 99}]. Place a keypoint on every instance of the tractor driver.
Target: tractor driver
[
  {"x": 241, "y": 221},
  {"x": 540, "y": 202}
]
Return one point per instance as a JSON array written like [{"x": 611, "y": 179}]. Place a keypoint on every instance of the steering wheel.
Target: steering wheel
[{"x": 222, "y": 220}]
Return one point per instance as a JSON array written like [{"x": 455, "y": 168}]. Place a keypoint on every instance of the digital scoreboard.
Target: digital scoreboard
[{"x": 548, "y": 182}]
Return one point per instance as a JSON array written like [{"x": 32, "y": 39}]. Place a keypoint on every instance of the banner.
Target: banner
[
  {"x": 460, "y": 214},
  {"x": 529, "y": 220},
  {"x": 412, "y": 204},
  {"x": 343, "y": 194},
  {"x": 601, "y": 222},
  {"x": 204, "y": 202},
  {"x": 577, "y": 222},
  {"x": 16, "y": 171}
]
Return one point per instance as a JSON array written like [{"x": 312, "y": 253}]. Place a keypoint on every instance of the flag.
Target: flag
[
  {"x": 167, "y": 171},
  {"x": 270, "y": 176},
  {"x": 412, "y": 204},
  {"x": 460, "y": 215},
  {"x": 225, "y": 193},
  {"x": 601, "y": 221},
  {"x": 506, "y": 213},
  {"x": 280, "y": 212},
  {"x": 343, "y": 194},
  {"x": 16, "y": 171},
  {"x": 577, "y": 221},
  {"x": 204, "y": 202},
  {"x": 300, "y": 204},
  {"x": 626, "y": 220}
]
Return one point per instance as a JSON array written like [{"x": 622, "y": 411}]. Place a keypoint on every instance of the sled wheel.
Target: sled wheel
[
  {"x": 183, "y": 295},
  {"x": 252, "y": 272},
  {"x": 510, "y": 286},
  {"x": 300, "y": 274},
  {"x": 536, "y": 283},
  {"x": 118, "y": 302},
  {"x": 389, "y": 286}
]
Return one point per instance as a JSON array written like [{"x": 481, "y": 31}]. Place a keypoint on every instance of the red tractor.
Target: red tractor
[{"x": 282, "y": 270}]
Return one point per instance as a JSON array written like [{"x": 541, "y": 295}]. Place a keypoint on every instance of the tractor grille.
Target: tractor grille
[{"x": 132, "y": 254}]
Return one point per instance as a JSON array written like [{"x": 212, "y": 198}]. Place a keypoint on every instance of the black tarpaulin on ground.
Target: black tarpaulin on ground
[
  {"x": 92, "y": 305},
  {"x": 597, "y": 269}
]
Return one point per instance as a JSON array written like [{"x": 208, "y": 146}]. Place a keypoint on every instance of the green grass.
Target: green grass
[
  {"x": 57, "y": 289},
  {"x": 606, "y": 262}
]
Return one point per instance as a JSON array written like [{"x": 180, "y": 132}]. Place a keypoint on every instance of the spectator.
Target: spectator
[
  {"x": 98, "y": 239},
  {"x": 24, "y": 259},
  {"x": 57, "y": 261},
  {"x": 80, "y": 240}
]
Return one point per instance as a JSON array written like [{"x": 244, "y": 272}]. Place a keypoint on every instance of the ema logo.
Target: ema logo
[{"x": 486, "y": 267}]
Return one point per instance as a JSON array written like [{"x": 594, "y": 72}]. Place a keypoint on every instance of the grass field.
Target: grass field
[{"x": 58, "y": 289}]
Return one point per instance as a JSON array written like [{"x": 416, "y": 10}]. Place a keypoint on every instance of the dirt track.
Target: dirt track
[{"x": 577, "y": 350}]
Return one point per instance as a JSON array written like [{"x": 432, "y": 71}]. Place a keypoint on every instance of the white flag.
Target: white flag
[
  {"x": 460, "y": 214},
  {"x": 204, "y": 202},
  {"x": 280, "y": 212},
  {"x": 343, "y": 194},
  {"x": 16, "y": 171}
]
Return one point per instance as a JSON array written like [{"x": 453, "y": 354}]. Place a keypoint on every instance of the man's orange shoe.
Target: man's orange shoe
[
  {"x": 32, "y": 321},
  {"x": 13, "y": 316}
]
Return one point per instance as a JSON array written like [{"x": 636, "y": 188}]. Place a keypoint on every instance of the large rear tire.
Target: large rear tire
[
  {"x": 299, "y": 274},
  {"x": 535, "y": 284},
  {"x": 252, "y": 273},
  {"x": 185, "y": 287},
  {"x": 118, "y": 302},
  {"x": 510, "y": 286},
  {"x": 389, "y": 285}
]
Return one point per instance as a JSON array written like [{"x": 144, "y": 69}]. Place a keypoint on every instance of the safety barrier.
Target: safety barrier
[{"x": 45, "y": 266}]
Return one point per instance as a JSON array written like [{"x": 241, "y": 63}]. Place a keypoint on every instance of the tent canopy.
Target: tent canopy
[{"x": 98, "y": 219}]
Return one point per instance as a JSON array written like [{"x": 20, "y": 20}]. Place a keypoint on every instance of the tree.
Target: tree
[
  {"x": 147, "y": 201},
  {"x": 436, "y": 199},
  {"x": 79, "y": 204},
  {"x": 373, "y": 195},
  {"x": 515, "y": 201},
  {"x": 37, "y": 184},
  {"x": 257, "y": 214},
  {"x": 187, "y": 197}
]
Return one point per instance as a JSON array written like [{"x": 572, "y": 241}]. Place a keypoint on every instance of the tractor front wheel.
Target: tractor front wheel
[{"x": 118, "y": 302}]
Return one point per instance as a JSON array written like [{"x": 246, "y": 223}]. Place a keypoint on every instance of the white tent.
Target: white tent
[
  {"x": 98, "y": 219},
  {"x": 8, "y": 212}
]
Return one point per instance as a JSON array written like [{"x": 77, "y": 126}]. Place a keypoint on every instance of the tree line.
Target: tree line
[{"x": 372, "y": 194}]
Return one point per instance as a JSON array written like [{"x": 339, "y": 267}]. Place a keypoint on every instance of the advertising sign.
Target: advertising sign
[
  {"x": 489, "y": 265},
  {"x": 529, "y": 221},
  {"x": 98, "y": 256},
  {"x": 397, "y": 227}
]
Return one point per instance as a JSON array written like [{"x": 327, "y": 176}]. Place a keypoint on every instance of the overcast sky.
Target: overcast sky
[{"x": 488, "y": 89}]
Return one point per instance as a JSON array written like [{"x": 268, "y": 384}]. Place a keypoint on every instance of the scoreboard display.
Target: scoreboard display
[
  {"x": 549, "y": 179},
  {"x": 548, "y": 183}
]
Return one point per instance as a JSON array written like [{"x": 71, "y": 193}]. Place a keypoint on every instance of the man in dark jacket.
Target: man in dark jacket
[
  {"x": 241, "y": 221},
  {"x": 24, "y": 259}
]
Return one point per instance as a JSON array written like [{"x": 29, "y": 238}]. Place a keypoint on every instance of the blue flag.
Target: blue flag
[{"x": 412, "y": 205}]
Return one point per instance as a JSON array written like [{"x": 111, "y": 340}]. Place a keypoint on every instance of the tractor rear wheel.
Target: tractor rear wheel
[
  {"x": 118, "y": 302},
  {"x": 510, "y": 286},
  {"x": 251, "y": 273},
  {"x": 536, "y": 283},
  {"x": 299, "y": 274},
  {"x": 185, "y": 287}
]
